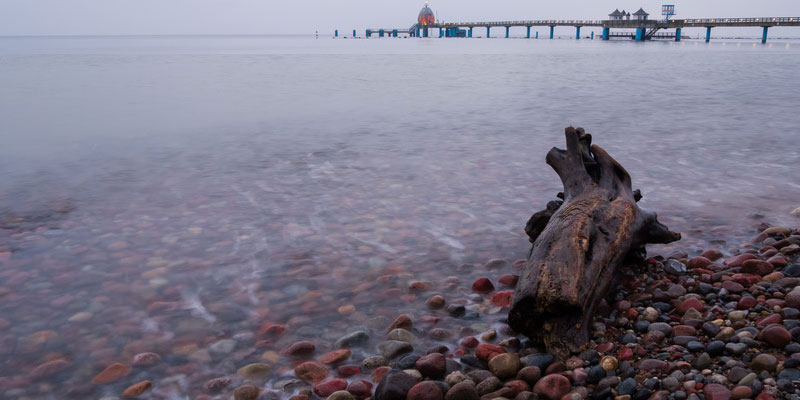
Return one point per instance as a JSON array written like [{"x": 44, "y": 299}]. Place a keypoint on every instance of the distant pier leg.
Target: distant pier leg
[
  {"x": 605, "y": 33},
  {"x": 394, "y": 32},
  {"x": 639, "y": 34},
  {"x": 577, "y": 32},
  {"x": 470, "y": 32},
  {"x": 354, "y": 33},
  {"x": 336, "y": 33},
  {"x": 764, "y": 35},
  {"x": 537, "y": 34},
  {"x": 507, "y": 29},
  {"x": 380, "y": 32},
  {"x": 708, "y": 34},
  {"x": 678, "y": 34},
  {"x": 487, "y": 31},
  {"x": 528, "y": 35},
  {"x": 552, "y": 28}
]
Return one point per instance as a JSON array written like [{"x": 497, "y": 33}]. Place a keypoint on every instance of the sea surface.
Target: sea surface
[{"x": 168, "y": 194}]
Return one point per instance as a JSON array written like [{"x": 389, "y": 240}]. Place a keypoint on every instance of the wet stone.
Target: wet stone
[
  {"x": 736, "y": 348},
  {"x": 675, "y": 267},
  {"x": 462, "y": 391},
  {"x": 373, "y": 362},
  {"x": 355, "y": 339},
  {"x": 552, "y": 387},
  {"x": 488, "y": 385},
  {"x": 427, "y": 390},
  {"x": 407, "y": 361},
  {"x": 626, "y": 387},
  {"x": 222, "y": 348},
  {"x": 255, "y": 371},
  {"x": 432, "y": 365},
  {"x": 764, "y": 362},
  {"x": 394, "y": 386},
  {"x": 542, "y": 361},
  {"x": 474, "y": 362},
  {"x": 505, "y": 366},
  {"x": 246, "y": 392},
  {"x": 390, "y": 349}
]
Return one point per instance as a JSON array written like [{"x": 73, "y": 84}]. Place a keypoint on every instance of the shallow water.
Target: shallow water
[{"x": 167, "y": 192}]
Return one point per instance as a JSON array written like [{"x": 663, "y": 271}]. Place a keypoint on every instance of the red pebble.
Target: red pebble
[
  {"x": 325, "y": 389},
  {"x": 777, "y": 261},
  {"x": 483, "y": 285},
  {"x": 757, "y": 267},
  {"x": 626, "y": 354},
  {"x": 502, "y": 299},
  {"x": 469, "y": 342},
  {"x": 746, "y": 303},
  {"x": 712, "y": 254},
  {"x": 361, "y": 389},
  {"x": 699, "y": 262},
  {"x": 346, "y": 371},
  {"x": 335, "y": 357},
  {"x": 689, "y": 303},
  {"x": 739, "y": 260},
  {"x": 604, "y": 348},
  {"x": 379, "y": 373},
  {"x": 486, "y": 351},
  {"x": 270, "y": 329},
  {"x": 110, "y": 374},
  {"x": 509, "y": 280}
]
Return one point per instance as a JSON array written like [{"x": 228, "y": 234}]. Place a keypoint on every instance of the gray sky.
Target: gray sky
[{"x": 101, "y": 17}]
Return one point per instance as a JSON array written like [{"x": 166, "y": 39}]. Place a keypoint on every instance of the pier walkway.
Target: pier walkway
[{"x": 644, "y": 29}]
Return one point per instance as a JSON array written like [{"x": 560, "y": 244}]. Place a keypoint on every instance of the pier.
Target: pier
[{"x": 641, "y": 28}]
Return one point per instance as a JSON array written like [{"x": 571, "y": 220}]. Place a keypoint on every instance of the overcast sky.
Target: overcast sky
[{"x": 134, "y": 17}]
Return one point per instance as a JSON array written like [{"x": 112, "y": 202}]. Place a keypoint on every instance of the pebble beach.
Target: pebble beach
[{"x": 718, "y": 324}]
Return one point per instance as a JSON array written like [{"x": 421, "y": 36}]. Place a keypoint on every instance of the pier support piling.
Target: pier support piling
[
  {"x": 487, "y": 31},
  {"x": 577, "y": 32},
  {"x": 507, "y": 29},
  {"x": 368, "y": 33},
  {"x": 639, "y": 34},
  {"x": 537, "y": 34},
  {"x": 441, "y": 33},
  {"x": 708, "y": 34},
  {"x": 764, "y": 35},
  {"x": 336, "y": 33},
  {"x": 380, "y": 33},
  {"x": 354, "y": 33},
  {"x": 552, "y": 28},
  {"x": 528, "y": 34},
  {"x": 470, "y": 32},
  {"x": 678, "y": 34},
  {"x": 394, "y": 32},
  {"x": 605, "y": 33}
]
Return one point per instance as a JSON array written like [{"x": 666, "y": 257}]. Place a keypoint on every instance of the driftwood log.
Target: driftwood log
[{"x": 579, "y": 242}]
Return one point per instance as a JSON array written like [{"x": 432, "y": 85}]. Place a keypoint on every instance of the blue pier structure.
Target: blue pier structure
[{"x": 643, "y": 28}]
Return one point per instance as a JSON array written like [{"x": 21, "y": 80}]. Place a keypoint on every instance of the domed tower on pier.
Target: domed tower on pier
[{"x": 425, "y": 19}]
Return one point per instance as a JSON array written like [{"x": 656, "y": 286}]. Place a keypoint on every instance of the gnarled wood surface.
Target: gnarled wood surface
[{"x": 578, "y": 244}]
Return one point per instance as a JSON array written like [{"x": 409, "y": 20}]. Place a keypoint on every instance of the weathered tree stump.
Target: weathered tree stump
[{"x": 578, "y": 245}]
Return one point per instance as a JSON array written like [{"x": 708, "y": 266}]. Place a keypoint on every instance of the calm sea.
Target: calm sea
[{"x": 165, "y": 193}]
